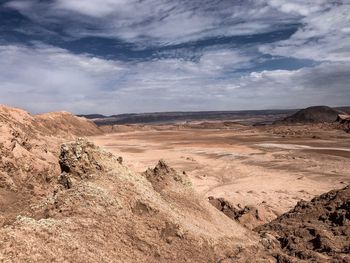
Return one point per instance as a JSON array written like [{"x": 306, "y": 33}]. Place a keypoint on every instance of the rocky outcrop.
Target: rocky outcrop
[
  {"x": 315, "y": 114},
  {"x": 28, "y": 163},
  {"x": 98, "y": 210},
  {"x": 315, "y": 231},
  {"x": 163, "y": 176},
  {"x": 248, "y": 216},
  {"x": 29, "y": 146},
  {"x": 81, "y": 159},
  {"x": 344, "y": 120}
]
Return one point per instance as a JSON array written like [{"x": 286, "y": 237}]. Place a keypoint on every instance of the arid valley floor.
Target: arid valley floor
[{"x": 271, "y": 168}]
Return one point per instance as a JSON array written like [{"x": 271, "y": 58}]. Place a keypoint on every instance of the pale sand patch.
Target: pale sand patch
[{"x": 297, "y": 147}]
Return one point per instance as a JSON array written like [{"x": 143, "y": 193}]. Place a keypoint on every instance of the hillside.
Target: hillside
[
  {"x": 315, "y": 114},
  {"x": 345, "y": 109},
  {"x": 314, "y": 231},
  {"x": 65, "y": 124},
  {"x": 77, "y": 202},
  {"x": 29, "y": 146}
]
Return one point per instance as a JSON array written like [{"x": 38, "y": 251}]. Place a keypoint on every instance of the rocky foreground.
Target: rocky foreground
[
  {"x": 315, "y": 231},
  {"x": 74, "y": 202}
]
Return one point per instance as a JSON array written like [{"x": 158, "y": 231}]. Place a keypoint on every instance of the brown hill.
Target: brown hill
[
  {"x": 315, "y": 114},
  {"x": 65, "y": 124},
  {"x": 315, "y": 231}
]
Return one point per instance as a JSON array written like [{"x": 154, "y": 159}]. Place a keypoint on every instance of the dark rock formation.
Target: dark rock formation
[
  {"x": 316, "y": 114},
  {"x": 248, "y": 216},
  {"x": 315, "y": 231}
]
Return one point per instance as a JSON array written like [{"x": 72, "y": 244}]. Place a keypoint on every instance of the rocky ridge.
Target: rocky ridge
[
  {"x": 76, "y": 202},
  {"x": 110, "y": 214}
]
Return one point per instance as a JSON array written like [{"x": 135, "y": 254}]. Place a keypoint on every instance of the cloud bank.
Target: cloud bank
[{"x": 174, "y": 55}]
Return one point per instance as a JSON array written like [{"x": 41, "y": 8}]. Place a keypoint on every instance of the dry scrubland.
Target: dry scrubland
[{"x": 64, "y": 199}]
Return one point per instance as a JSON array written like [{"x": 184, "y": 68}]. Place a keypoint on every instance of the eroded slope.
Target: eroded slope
[
  {"x": 109, "y": 214},
  {"x": 76, "y": 202},
  {"x": 29, "y": 146}
]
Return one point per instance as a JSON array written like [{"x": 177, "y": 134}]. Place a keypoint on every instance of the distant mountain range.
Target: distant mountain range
[
  {"x": 245, "y": 117},
  {"x": 173, "y": 117}
]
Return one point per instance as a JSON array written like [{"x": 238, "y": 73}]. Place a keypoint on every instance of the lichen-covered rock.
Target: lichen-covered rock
[{"x": 81, "y": 159}]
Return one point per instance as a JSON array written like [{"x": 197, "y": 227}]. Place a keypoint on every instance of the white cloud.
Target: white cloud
[
  {"x": 325, "y": 84},
  {"x": 20, "y": 5},
  {"x": 44, "y": 78},
  {"x": 221, "y": 60},
  {"x": 301, "y": 7},
  {"x": 92, "y": 7},
  {"x": 325, "y": 36},
  {"x": 158, "y": 21},
  {"x": 325, "y": 24},
  {"x": 47, "y": 78}
]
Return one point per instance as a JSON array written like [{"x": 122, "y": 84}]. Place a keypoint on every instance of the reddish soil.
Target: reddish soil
[{"x": 64, "y": 199}]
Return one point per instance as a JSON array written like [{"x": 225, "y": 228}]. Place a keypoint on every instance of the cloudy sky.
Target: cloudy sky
[{"x": 118, "y": 56}]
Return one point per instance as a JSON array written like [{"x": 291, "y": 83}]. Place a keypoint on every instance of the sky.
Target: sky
[{"x": 122, "y": 56}]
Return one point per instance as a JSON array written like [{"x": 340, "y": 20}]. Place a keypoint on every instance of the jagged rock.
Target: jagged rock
[
  {"x": 127, "y": 218},
  {"x": 80, "y": 159},
  {"x": 163, "y": 175},
  {"x": 248, "y": 216},
  {"x": 315, "y": 231},
  {"x": 224, "y": 206}
]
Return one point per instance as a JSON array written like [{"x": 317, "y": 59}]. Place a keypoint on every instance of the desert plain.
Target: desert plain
[{"x": 268, "y": 167}]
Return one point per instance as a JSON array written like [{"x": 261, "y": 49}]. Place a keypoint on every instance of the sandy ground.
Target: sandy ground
[{"x": 245, "y": 165}]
